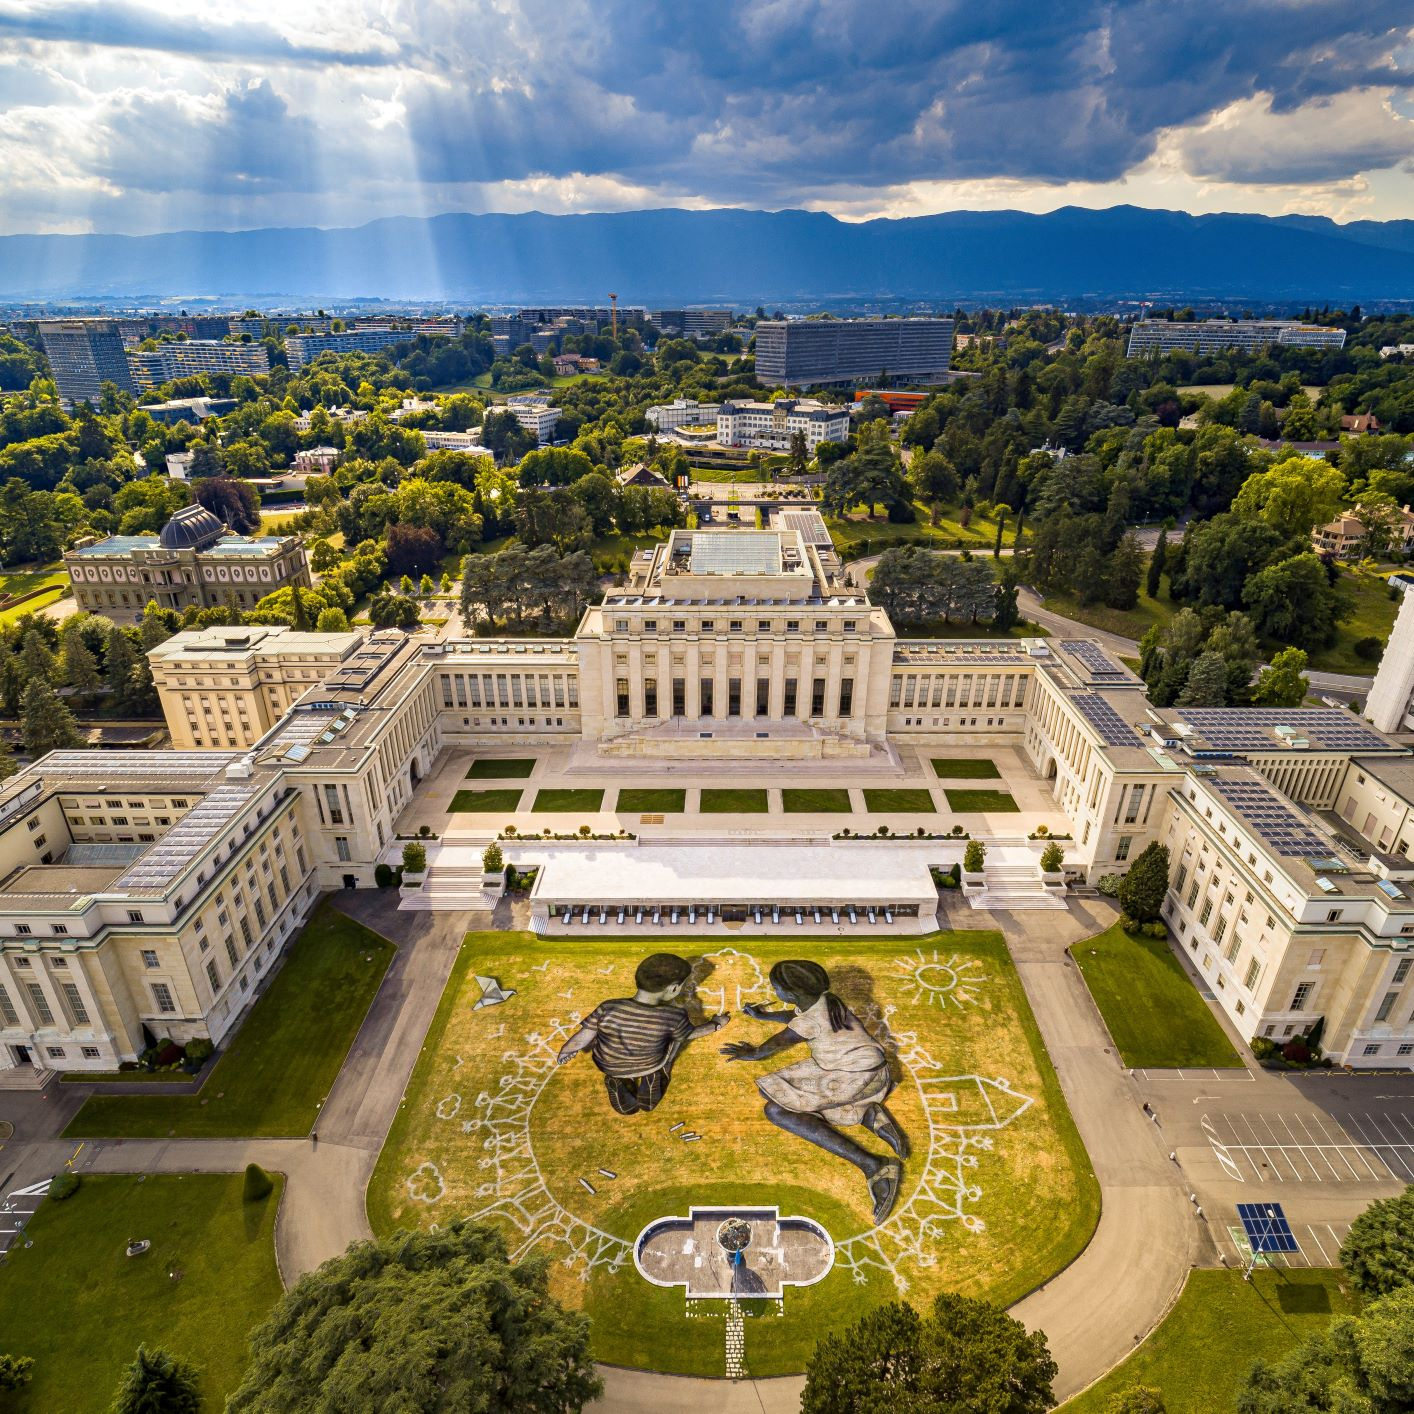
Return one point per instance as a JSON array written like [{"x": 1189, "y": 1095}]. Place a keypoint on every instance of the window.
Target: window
[
  {"x": 846, "y": 697},
  {"x": 679, "y": 697},
  {"x": 817, "y": 697},
  {"x": 1402, "y": 970},
  {"x": 1386, "y": 1006},
  {"x": 54, "y": 1052},
  {"x": 1250, "y": 978},
  {"x": 733, "y": 697},
  {"x": 213, "y": 974},
  {"x": 8, "y": 1014},
  {"x": 708, "y": 626},
  {"x": 621, "y": 696},
  {"x": 1122, "y": 849},
  {"x": 76, "y": 1007},
  {"x": 650, "y": 697},
  {"x": 89, "y": 1052},
  {"x": 792, "y": 625},
  {"x": 1406, "y": 1049},
  {"x": 763, "y": 697},
  {"x": 1315, "y": 957},
  {"x": 149, "y": 958},
  {"x": 734, "y": 625},
  {"x": 40, "y": 1003},
  {"x": 650, "y": 625},
  {"x": 620, "y": 625},
  {"x": 679, "y": 625},
  {"x": 1373, "y": 1049},
  {"x": 134, "y": 915},
  {"x": 1206, "y": 913},
  {"x": 789, "y": 705},
  {"x": 850, "y": 625},
  {"x": 341, "y": 848},
  {"x": 1302, "y": 996},
  {"x": 162, "y": 995},
  {"x": 231, "y": 950},
  {"x": 59, "y": 962},
  {"x": 763, "y": 625},
  {"x": 705, "y": 687},
  {"x": 1334, "y": 915}
]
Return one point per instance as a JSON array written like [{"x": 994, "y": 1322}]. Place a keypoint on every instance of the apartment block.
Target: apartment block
[{"x": 805, "y": 352}]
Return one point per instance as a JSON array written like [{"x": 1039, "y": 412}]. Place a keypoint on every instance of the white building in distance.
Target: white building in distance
[
  {"x": 772, "y": 425},
  {"x": 1150, "y": 337}
]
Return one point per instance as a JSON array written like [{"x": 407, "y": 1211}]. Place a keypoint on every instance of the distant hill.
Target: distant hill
[{"x": 743, "y": 257}]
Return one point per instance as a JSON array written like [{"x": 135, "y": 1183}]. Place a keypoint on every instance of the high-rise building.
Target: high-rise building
[
  {"x": 1160, "y": 336},
  {"x": 305, "y": 348},
  {"x": 691, "y": 323},
  {"x": 150, "y": 369},
  {"x": 84, "y": 354},
  {"x": 800, "y": 352}
]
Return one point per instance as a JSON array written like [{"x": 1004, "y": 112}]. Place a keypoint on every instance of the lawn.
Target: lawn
[
  {"x": 822, "y": 801},
  {"x": 977, "y": 802},
  {"x": 46, "y": 585},
  {"x": 282, "y": 1060},
  {"x": 965, "y": 768},
  {"x": 492, "y": 768},
  {"x": 561, "y": 800},
  {"x": 492, "y": 1127},
  {"x": 79, "y": 1306},
  {"x": 900, "y": 800},
  {"x": 848, "y": 533},
  {"x": 1154, "y": 1013},
  {"x": 1373, "y": 618},
  {"x": 666, "y": 801},
  {"x": 1199, "y": 1357},
  {"x": 1127, "y": 623},
  {"x": 480, "y": 802},
  {"x": 718, "y": 801}
]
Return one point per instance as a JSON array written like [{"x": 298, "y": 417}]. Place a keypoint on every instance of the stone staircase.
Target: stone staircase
[
  {"x": 1007, "y": 887},
  {"x": 452, "y": 884},
  {"x": 25, "y": 1077}
]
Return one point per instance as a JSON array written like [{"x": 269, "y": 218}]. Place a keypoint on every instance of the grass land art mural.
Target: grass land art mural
[{"x": 724, "y": 1153}]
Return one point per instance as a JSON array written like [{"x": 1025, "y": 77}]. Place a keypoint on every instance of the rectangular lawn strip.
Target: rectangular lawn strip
[
  {"x": 474, "y": 802},
  {"x": 1154, "y": 1013},
  {"x": 1218, "y": 1311},
  {"x": 1035, "y": 1193},
  {"x": 899, "y": 800},
  {"x": 825, "y": 800},
  {"x": 974, "y": 802},
  {"x": 562, "y": 800},
  {"x": 723, "y": 801},
  {"x": 491, "y": 768},
  {"x": 651, "y": 801},
  {"x": 79, "y": 1306},
  {"x": 282, "y": 1060},
  {"x": 965, "y": 768}
]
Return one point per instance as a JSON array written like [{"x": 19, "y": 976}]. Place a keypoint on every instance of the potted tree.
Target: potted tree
[
  {"x": 414, "y": 864},
  {"x": 493, "y": 865},
  {"x": 974, "y": 859},
  {"x": 1052, "y": 873}
]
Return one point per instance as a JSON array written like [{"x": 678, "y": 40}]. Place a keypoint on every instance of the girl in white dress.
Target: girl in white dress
[{"x": 844, "y": 1081}]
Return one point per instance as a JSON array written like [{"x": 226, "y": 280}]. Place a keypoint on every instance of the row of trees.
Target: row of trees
[{"x": 916, "y": 587}]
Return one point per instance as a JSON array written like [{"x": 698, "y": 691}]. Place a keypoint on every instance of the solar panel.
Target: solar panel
[
  {"x": 1113, "y": 729},
  {"x": 1095, "y": 660},
  {"x": 1270, "y": 818},
  {"x": 1255, "y": 728},
  {"x": 1266, "y": 1227}
]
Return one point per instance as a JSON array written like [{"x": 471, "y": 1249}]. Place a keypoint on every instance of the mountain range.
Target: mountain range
[{"x": 738, "y": 256}]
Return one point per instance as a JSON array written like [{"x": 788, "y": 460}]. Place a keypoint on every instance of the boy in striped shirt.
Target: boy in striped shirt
[{"x": 635, "y": 1040}]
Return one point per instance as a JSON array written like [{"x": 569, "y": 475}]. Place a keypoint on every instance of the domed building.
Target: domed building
[{"x": 196, "y": 560}]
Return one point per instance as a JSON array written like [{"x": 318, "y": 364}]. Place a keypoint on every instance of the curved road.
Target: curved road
[{"x": 1092, "y": 1312}]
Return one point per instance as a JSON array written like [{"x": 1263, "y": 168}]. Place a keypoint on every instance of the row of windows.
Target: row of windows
[
  {"x": 706, "y": 690},
  {"x": 957, "y": 690},
  {"x": 510, "y": 690},
  {"x": 733, "y": 626}
]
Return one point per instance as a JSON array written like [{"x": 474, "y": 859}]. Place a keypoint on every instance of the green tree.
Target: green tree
[
  {"x": 1137, "y": 1399},
  {"x": 974, "y": 856},
  {"x": 1293, "y": 496},
  {"x": 393, "y": 611},
  {"x": 256, "y": 1185},
  {"x": 46, "y": 724},
  {"x": 157, "y": 1383},
  {"x": 1207, "y": 682},
  {"x": 436, "y": 1321},
  {"x": 1292, "y": 601},
  {"x": 1284, "y": 683},
  {"x": 964, "y": 1355},
  {"x": 492, "y": 861},
  {"x": 15, "y": 1371},
  {"x": 1052, "y": 857},
  {"x": 1378, "y": 1251},
  {"x": 332, "y": 620},
  {"x": 1142, "y": 890},
  {"x": 799, "y": 454},
  {"x": 1157, "y": 560},
  {"x": 414, "y": 857},
  {"x": 80, "y": 666}
]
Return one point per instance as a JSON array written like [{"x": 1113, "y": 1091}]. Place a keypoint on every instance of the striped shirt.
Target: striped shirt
[{"x": 634, "y": 1038}]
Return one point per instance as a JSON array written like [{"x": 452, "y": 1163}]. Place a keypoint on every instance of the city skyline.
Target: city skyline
[{"x": 141, "y": 118}]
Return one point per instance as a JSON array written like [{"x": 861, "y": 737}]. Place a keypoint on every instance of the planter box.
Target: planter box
[
  {"x": 493, "y": 885},
  {"x": 1054, "y": 881},
  {"x": 973, "y": 883},
  {"x": 411, "y": 881}
]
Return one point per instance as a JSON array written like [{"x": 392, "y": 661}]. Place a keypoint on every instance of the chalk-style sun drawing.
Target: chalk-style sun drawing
[{"x": 934, "y": 979}]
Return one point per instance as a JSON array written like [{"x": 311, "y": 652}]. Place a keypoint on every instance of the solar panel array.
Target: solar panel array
[
  {"x": 1113, "y": 729},
  {"x": 1252, "y": 728},
  {"x": 810, "y": 524},
  {"x": 1270, "y": 818},
  {"x": 1095, "y": 660},
  {"x": 190, "y": 835},
  {"x": 737, "y": 552},
  {"x": 1267, "y": 1228}
]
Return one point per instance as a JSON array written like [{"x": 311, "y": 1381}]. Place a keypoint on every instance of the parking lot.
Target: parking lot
[{"x": 1373, "y": 1146}]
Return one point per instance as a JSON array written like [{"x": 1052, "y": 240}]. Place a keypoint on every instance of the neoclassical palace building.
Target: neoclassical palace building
[{"x": 155, "y": 889}]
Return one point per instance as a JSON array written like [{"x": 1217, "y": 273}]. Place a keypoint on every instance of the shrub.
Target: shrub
[
  {"x": 1142, "y": 890},
  {"x": 424, "y": 832},
  {"x": 1296, "y": 1051},
  {"x": 1263, "y": 1048},
  {"x": 257, "y": 1184},
  {"x": 65, "y": 1185},
  {"x": 510, "y": 876},
  {"x": 168, "y": 1053},
  {"x": 1052, "y": 857},
  {"x": 1368, "y": 648},
  {"x": 493, "y": 861},
  {"x": 1156, "y": 929},
  {"x": 414, "y": 857},
  {"x": 957, "y": 829},
  {"x": 383, "y": 875},
  {"x": 199, "y": 1050},
  {"x": 974, "y": 856},
  {"x": 1108, "y": 884}
]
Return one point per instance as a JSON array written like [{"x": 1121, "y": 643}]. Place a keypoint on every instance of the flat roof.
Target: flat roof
[
  {"x": 744, "y": 874},
  {"x": 61, "y": 879},
  {"x": 736, "y": 552}
]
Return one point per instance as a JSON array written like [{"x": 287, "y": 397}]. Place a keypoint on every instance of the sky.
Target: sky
[{"x": 131, "y": 117}]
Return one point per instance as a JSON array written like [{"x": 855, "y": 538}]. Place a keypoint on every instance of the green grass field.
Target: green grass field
[
  {"x": 547, "y": 801},
  {"x": 965, "y": 768},
  {"x": 491, "y": 768},
  {"x": 282, "y": 1060},
  {"x": 716, "y": 801},
  {"x": 820, "y": 801},
  {"x": 51, "y": 584},
  {"x": 899, "y": 800},
  {"x": 486, "y": 1097},
  {"x": 849, "y": 533},
  {"x": 667, "y": 801},
  {"x": 79, "y": 1306},
  {"x": 1199, "y": 1357},
  {"x": 480, "y": 802},
  {"x": 1154, "y": 1013},
  {"x": 1373, "y": 617},
  {"x": 967, "y": 802},
  {"x": 1128, "y": 623}
]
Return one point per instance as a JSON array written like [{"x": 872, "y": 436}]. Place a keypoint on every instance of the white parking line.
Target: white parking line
[
  {"x": 1273, "y": 1169},
  {"x": 1341, "y": 1145},
  {"x": 1325, "y": 1157},
  {"x": 1239, "y": 1147},
  {"x": 1316, "y": 1238},
  {"x": 1353, "y": 1122},
  {"x": 1285, "y": 1150},
  {"x": 1399, "y": 1148}
]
